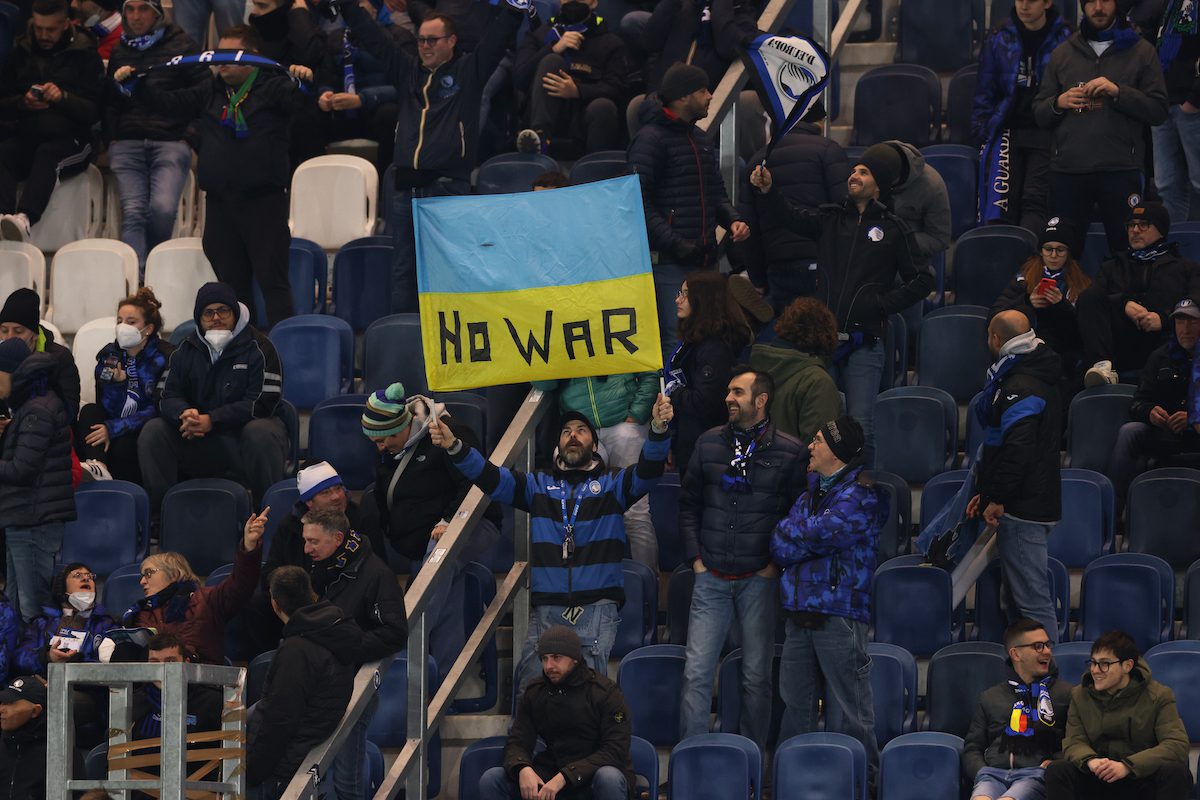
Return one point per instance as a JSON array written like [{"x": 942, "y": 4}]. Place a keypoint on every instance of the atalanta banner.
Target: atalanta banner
[{"x": 789, "y": 74}]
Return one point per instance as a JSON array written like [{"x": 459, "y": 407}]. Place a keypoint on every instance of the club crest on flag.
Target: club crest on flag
[{"x": 789, "y": 73}]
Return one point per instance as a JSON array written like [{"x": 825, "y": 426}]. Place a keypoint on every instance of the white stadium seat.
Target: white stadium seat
[
  {"x": 175, "y": 270},
  {"x": 90, "y": 337},
  {"x": 88, "y": 278},
  {"x": 333, "y": 200},
  {"x": 76, "y": 211}
]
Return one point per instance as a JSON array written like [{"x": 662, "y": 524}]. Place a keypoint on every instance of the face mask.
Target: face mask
[
  {"x": 81, "y": 601},
  {"x": 218, "y": 339},
  {"x": 128, "y": 336},
  {"x": 574, "y": 12}
]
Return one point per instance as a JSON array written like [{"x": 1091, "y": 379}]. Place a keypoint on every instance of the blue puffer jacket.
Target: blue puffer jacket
[
  {"x": 996, "y": 86},
  {"x": 826, "y": 546},
  {"x": 150, "y": 364},
  {"x": 31, "y": 656},
  {"x": 10, "y": 630}
]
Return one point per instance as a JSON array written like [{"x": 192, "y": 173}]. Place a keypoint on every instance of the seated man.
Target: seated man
[
  {"x": 582, "y": 717},
  {"x": 1018, "y": 725},
  {"x": 204, "y": 701},
  {"x": 220, "y": 390},
  {"x": 1124, "y": 737}
]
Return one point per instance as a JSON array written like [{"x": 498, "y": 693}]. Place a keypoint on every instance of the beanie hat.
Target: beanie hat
[
  {"x": 12, "y": 352},
  {"x": 559, "y": 640},
  {"x": 23, "y": 307},
  {"x": 571, "y": 416},
  {"x": 680, "y": 81},
  {"x": 1059, "y": 230},
  {"x": 215, "y": 292},
  {"x": 313, "y": 480},
  {"x": 884, "y": 162},
  {"x": 845, "y": 439},
  {"x": 1154, "y": 213},
  {"x": 386, "y": 413},
  {"x": 155, "y": 4}
]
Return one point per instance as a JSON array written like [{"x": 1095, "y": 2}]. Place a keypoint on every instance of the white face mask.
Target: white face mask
[
  {"x": 82, "y": 601},
  {"x": 218, "y": 339},
  {"x": 128, "y": 336}
]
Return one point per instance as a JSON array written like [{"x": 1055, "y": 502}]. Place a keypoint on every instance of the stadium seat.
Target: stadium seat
[
  {"x": 639, "y": 614},
  {"x": 897, "y": 101},
  {"x": 256, "y": 676},
  {"x": 645, "y": 764},
  {"x": 186, "y": 215},
  {"x": 729, "y": 696},
  {"x": 1095, "y": 250},
  {"x": 893, "y": 690},
  {"x": 897, "y": 531},
  {"x": 122, "y": 589},
  {"x": 90, "y": 339},
  {"x": 1131, "y": 591},
  {"x": 392, "y": 352},
  {"x": 986, "y": 260},
  {"x": 471, "y": 410},
  {"x": 203, "y": 520},
  {"x": 317, "y": 354},
  {"x": 286, "y": 413},
  {"x": 1071, "y": 658},
  {"x": 362, "y": 281},
  {"x": 388, "y": 726},
  {"x": 916, "y": 432},
  {"x": 280, "y": 498},
  {"x": 480, "y": 756},
  {"x": 111, "y": 528},
  {"x": 990, "y": 620},
  {"x": 95, "y": 766},
  {"x": 945, "y": 46},
  {"x": 919, "y": 766},
  {"x": 303, "y": 282},
  {"x": 960, "y": 96},
  {"x": 512, "y": 172},
  {"x": 1085, "y": 531},
  {"x": 975, "y": 432},
  {"x": 75, "y": 211},
  {"x": 218, "y": 575},
  {"x": 22, "y": 266},
  {"x": 87, "y": 280},
  {"x": 479, "y": 589},
  {"x": 679, "y": 602},
  {"x": 182, "y": 331},
  {"x": 953, "y": 352},
  {"x": 599, "y": 166},
  {"x": 1191, "y": 603},
  {"x": 373, "y": 769},
  {"x": 1176, "y": 665},
  {"x": 300, "y": 251},
  {"x": 664, "y": 513},
  {"x": 958, "y": 673},
  {"x": 1187, "y": 235},
  {"x": 722, "y": 765},
  {"x": 333, "y": 199},
  {"x": 911, "y": 608},
  {"x": 822, "y": 766},
  {"x": 958, "y": 164},
  {"x": 937, "y": 493},
  {"x": 1163, "y": 515},
  {"x": 1093, "y": 421},
  {"x": 895, "y": 354},
  {"x": 335, "y": 435},
  {"x": 652, "y": 680},
  {"x": 176, "y": 269}
]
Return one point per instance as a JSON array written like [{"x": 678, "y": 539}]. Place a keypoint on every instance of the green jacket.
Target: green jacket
[
  {"x": 1138, "y": 725},
  {"x": 805, "y": 395},
  {"x": 609, "y": 399}
]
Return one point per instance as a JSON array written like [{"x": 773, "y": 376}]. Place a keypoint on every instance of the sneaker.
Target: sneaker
[
  {"x": 528, "y": 141},
  {"x": 14, "y": 228},
  {"x": 1100, "y": 374},
  {"x": 94, "y": 470}
]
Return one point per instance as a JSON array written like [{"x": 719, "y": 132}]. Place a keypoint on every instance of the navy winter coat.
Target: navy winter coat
[
  {"x": 31, "y": 655},
  {"x": 111, "y": 395}
]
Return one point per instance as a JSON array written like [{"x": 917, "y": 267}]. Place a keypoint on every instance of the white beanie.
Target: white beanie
[{"x": 315, "y": 479}]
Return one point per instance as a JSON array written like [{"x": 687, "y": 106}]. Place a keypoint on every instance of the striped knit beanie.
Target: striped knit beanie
[{"x": 386, "y": 413}]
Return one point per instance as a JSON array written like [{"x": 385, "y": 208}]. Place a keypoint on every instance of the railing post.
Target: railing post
[
  {"x": 418, "y": 699},
  {"x": 822, "y": 28},
  {"x": 60, "y": 732},
  {"x": 521, "y": 547},
  {"x": 728, "y": 153}
]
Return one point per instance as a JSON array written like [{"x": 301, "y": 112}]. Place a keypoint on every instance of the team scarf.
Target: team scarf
[
  {"x": 1032, "y": 711},
  {"x": 131, "y": 387},
  {"x": 106, "y": 26},
  {"x": 557, "y": 29},
  {"x": 232, "y": 115},
  {"x": 995, "y": 179},
  {"x": 174, "y": 599},
  {"x": 789, "y": 73},
  {"x": 331, "y": 569},
  {"x": 1154, "y": 251},
  {"x": 736, "y": 479},
  {"x": 349, "y": 84},
  {"x": 1179, "y": 20},
  {"x": 1018, "y": 346},
  {"x": 212, "y": 58},
  {"x": 142, "y": 43}
]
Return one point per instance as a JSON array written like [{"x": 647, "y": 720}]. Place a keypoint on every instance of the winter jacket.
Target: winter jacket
[
  {"x": 730, "y": 532},
  {"x": 72, "y": 65},
  {"x": 709, "y": 35},
  {"x": 921, "y": 201},
  {"x": 999, "y": 68},
  {"x": 805, "y": 395},
  {"x": 1181, "y": 77},
  {"x": 826, "y": 547},
  {"x": 600, "y": 68},
  {"x": 1156, "y": 285},
  {"x": 683, "y": 195},
  {"x": 35, "y": 453},
  {"x": 64, "y": 373},
  {"x": 124, "y": 119},
  {"x": 986, "y": 744},
  {"x": 31, "y": 654},
  {"x": 592, "y": 570},
  {"x": 607, "y": 400},
  {"x": 860, "y": 257},
  {"x": 370, "y": 76},
  {"x": 699, "y": 402},
  {"x": 198, "y": 614},
  {"x": 439, "y": 110},
  {"x": 1056, "y": 325},
  {"x": 23, "y": 761},
  {"x": 812, "y": 171},
  {"x": 1019, "y": 468},
  {"x": 287, "y": 543},
  {"x": 1164, "y": 382},
  {"x": 307, "y": 690},
  {"x": 111, "y": 395},
  {"x": 368, "y": 592},
  {"x": 1138, "y": 726},
  {"x": 290, "y": 36},
  {"x": 585, "y": 723},
  {"x": 1110, "y": 138},
  {"x": 204, "y": 706},
  {"x": 10, "y": 632}
]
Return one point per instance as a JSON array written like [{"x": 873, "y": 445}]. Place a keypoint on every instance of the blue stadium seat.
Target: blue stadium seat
[
  {"x": 373, "y": 769},
  {"x": 335, "y": 435},
  {"x": 960, "y": 96},
  {"x": 317, "y": 353},
  {"x": 599, "y": 166},
  {"x": 256, "y": 676},
  {"x": 822, "y": 766},
  {"x": 1085, "y": 531},
  {"x": 286, "y": 413},
  {"x": 679, "y": 602},
  {"x": 714, "y": 765},
  {"x": 218, "y": 575},
  {"x": 362, "y": 281},
  {"x": 652, "y": 679},
  {"x": 280, "y": 498},
  {"x": 896, "y": 532},
  {"x": 203, "y": 519},
  {"x": 1191, "y": 603},
  {"x": 953, "y": 352},
  {"x": 916, "y": 432},
  {"x": 918, "y": 766},
  {"x": 392, "y": 353},
  {"x": 990, "y": 620},
  {"x": 664, "y": 513},
  {"x": 1164, "y": 515},
  {"x": 471, "y": 410},
  {"x": 645, "y": 763},
  {"x": 729, "y": 696},
  {"x": 958, "y": 673},
  {"x": 975, "y": 430},
  {"x": 893, "y": 690},
  {"x": 897, "y": 101},
  {"x": 111, "y": 528},
  {"x": 986, "y": 260},
  {"x": 958, "y": 164},
  {"x": 1093, "y": 420},
  {"x": 1187, "y": 234},
  {"x": 122, "y": 589},
  {"x": 937, "y": 493},
  {"x": 512, "y": 172},
  {"x": 1071, "y": 658},
  {"x": 1177, "y": 665},
  {"x": 318, "y": 266},
  {"x": 1095, "y": 250},
  {"x": 895, "y": 353},
  {"x": 946, "y": 45},
  {"x": 1130, "y": 591},
  {"x": 478, "y": 758},
  {"x": 182, "y": 331},
  {"x": 306, "y": 276},
  {"x": 479, "y": 589},
  {"x": 639, "y": 615},
  {"x": 911, "y": 608},
  {"x": 95, "y": 766},
  {"x": 387, "y": 728}
]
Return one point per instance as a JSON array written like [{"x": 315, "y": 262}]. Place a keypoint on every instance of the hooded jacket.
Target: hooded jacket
[
  {"x": 707, "y": 34},
  {"x": 921, "y": 201},
  {"x": 987, "y": 745},
  {"x": 367, "y": 591},
  {"x": 1157, "y": 285},
  {"x": 307, "y": 690},
  {"x": 1138, "y": 726},
  {"x": 805, "y": 395},
  {"x": 607, "y": 400},
  {"x": 600, "y": 68},
  {"x": 74, "y": 66},
  {"x": 1020, "y": 464},
  {"x": 35, "y": 453},
  {"x": 1164, "y": 382},
  {"x": 111, "y": 395},
  {"x": 124, "y": 119}
]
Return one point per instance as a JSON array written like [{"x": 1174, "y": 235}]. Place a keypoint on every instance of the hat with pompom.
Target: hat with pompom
[{"x": 386, "y": 413}]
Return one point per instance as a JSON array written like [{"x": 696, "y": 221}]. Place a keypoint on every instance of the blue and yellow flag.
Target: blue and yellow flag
[{"x": 535, "y": 286}]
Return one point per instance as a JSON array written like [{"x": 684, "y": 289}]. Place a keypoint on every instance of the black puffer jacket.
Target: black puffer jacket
[
  {"x": 700, "y": 404},
  {"x": 290, "y": 36},
  {"x": 64, "y": 373},
  {"x": 728, "y": 531},
  {"x": 35, "y": 455},
  {"x": 1157, "y": 285},
  {"x": 676, "y": 25},
  {"x": 368, "y": 592},
  {"x": 601, "y": 68},
  {"x": 308, "y": 687},
  {"x": 1164, "y": 382},
  {"x": 23, "y": 762},
  {"x": 682, "y": 192},
  {"x": 1056, "y": 324},
  {"x": 74, "y": 66},
  {"x": 124, "y": 119}
]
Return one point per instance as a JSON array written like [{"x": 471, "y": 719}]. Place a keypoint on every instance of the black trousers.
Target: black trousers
[
  {"x": 121, "y": 458},
  {"x": 1065, "y": 781},
  {"x": 40, "y": 165},
  {"x": 1110, "y": 335},
  {"x": 1029, "y": 165},
  {"x": 1073, "y": 196},
  {"x": 597, "y": 124},
  {"x": 247, "y": 239}
]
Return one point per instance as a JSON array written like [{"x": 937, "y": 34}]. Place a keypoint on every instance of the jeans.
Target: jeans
[
  {"x": 1026, "y": 783},
  {"x": 859, "y": 378},
  {"x": 31, "y": 565},
  {"x": 150, "y": 178},
  {"x": 833, "y": 657},
  {"x": 1137, "y": 441},
  {"x": 608, "y": 783},
  {"x": 404, "y": 257},
  {"x": 597, "y": 629},
  {"x": 1177, "y": 161},
  {"x": 668, "y": 278},
  {"x": 623, "y": 444},
  {"x": 192, "y": 16},
  {"x": 714, "y": 603},
  {"x": 1025, "y": 584},
  {"x": 347, "y": 766}
]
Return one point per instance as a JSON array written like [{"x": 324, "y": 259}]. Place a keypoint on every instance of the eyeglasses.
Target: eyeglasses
[
  {"x": 79, "y": 575},
  {"x": 430, "y": 41},
  {"x": 213, "y": 313},
  {"x": 148, "y": 572},
  {"x": 1037, "y": 646},
  {"x": 1102, "y": 666},
  {"x": 1138, "y": 225},
  {"x": 1053, "y": 251},
  {"x": 682, "y": 293}
]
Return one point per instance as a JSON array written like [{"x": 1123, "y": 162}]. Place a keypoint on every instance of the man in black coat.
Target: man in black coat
[
  {"x": 20, "y": 317},
  {"x": 23, "y": 726}
]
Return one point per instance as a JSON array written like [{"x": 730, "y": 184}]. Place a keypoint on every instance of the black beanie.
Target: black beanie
[
  {"x": 1059, "y": 230},
  {"x": 845, "y": 438},
  {"x": 884, "y": 164},
  {"x": 23, "y": 307},
  {"x": 12, "y": 352},
  {"x": 571, "y": 416},
  {"x": 559, "y": 640},
  {"x": 1154, "y": 213},
  {"x": 215, "y": 292},
  {"x": 680, "y": 81}
]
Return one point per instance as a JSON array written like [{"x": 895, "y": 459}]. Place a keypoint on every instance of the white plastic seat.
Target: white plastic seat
[
  {"x": 333, "y": 200},
  {"x": 112, "y": 208},
  {"x": 75, "y": 211},
  {"x": 175, "y": 270},
  {"x": 89, "y": 339},
  {"x": 185, "y": 217},
  {"x": 22, "y": 266},
  {"x": 88, "y": 278}
]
